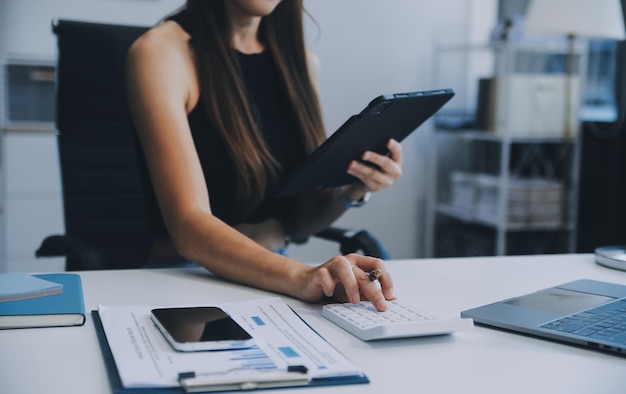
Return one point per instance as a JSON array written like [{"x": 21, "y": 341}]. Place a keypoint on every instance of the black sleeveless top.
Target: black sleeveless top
[{"x": 278, "y": 126}]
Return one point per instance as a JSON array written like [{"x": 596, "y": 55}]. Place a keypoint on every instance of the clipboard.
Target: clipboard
[
  {"x": 200, "y": 383},
  {"x": 388, "y": 116}
]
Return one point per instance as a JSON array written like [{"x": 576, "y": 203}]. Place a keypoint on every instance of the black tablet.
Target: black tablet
[{"x": 389, "y": 116}]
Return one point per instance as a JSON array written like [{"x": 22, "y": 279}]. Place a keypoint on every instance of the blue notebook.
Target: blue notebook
[{"x": 65, "y": 309}]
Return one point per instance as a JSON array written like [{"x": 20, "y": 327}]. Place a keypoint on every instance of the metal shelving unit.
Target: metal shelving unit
[{"x": 501, "y": 176}]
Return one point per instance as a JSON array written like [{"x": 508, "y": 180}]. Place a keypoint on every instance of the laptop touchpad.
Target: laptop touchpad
[{"x": 559, "y": 301}]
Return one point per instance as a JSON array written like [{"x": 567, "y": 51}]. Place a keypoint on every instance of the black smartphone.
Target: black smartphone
[{"x": 191, "y": 329}]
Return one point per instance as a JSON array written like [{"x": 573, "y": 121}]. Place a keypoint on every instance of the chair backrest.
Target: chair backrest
[
  {"x": 99, "y": 155},
  {"x": 102, "y": 193}
]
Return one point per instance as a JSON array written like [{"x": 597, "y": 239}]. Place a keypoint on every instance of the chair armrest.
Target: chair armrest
[
  {"x": 354, "y": 241},
  {"x": 80, "y": 255}
]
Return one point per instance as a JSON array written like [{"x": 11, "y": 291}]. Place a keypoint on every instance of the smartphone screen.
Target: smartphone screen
[{"x": 201, "y": 328}]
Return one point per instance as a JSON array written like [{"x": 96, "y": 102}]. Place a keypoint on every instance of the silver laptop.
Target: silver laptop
[{"x": 584, "y": 312}]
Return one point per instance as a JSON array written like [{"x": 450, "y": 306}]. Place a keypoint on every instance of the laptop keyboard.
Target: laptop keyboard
[{"x": 605, "y": 322}]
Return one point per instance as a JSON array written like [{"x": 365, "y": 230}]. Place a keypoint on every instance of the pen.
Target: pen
[{"x": 244, "y": 379}]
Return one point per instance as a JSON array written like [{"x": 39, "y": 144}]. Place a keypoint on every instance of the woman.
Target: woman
[{"x": 224, "y": 100}]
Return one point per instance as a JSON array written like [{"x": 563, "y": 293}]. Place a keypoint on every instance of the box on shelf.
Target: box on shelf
[{"x": 528, "y": 105}]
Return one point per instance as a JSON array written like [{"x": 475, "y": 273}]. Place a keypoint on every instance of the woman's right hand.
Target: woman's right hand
[{"x": 346, "y": 279}]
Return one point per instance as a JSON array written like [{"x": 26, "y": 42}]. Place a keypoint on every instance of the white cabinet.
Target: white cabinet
[
  {"x": 502, "y": 174},
  {"x": 32, "y": 203},
  {"x": 30, "y": 185}
]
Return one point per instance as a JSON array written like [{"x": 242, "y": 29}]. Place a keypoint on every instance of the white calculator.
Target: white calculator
[{"x": 400, "y": 320}]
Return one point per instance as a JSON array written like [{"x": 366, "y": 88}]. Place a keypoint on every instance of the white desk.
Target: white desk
[{"x": 68, "y": 360}]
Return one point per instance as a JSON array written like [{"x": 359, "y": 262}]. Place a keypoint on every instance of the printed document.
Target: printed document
[{"x": 144, "y": 358}]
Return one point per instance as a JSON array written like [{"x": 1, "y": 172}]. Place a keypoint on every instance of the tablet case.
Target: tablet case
[{"x": 389, "y": 116}]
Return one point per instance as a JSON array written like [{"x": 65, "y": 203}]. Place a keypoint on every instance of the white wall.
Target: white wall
[
  {"x": 31, "y": 210},
  {"x": 373, "y": 47},
  {"x": 366, "y": 47},
  {"x": 26, "y": 24}
]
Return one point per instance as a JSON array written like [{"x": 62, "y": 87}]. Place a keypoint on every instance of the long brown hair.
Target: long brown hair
[{"x": 225, "y": 96}]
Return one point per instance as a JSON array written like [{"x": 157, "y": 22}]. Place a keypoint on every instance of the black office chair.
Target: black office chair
[{"x": 105, "y": 223}]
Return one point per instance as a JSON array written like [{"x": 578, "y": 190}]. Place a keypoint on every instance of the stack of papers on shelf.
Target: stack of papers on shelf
[
  {"x": 464, "y": 194},
  {"x": 134, "y": 347},
  {"x": 534, "y": 202},
  {"x": 531, "y": 202}
]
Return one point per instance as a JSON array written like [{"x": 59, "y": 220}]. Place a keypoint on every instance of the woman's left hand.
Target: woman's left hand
[{"x": 386, "y": 169}]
